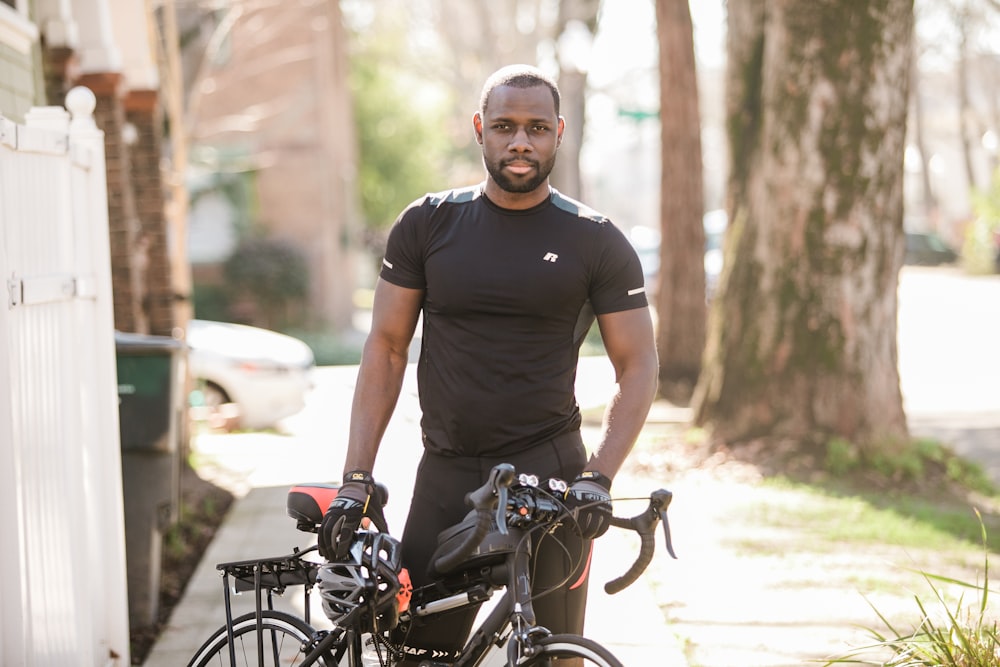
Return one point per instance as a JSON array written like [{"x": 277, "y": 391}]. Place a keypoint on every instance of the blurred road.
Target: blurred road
[{"x": 949, "y": 360}]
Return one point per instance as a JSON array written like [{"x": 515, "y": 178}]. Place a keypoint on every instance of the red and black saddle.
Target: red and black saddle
[{"x": 307, "y": 503}]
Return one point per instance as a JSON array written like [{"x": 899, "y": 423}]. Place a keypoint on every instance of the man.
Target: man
[{"x": 509, "y": 275}]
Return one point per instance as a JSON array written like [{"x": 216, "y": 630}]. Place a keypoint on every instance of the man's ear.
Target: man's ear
[
  {"x": 477, "y": 125},
  {"x": 559, "y": 131}
]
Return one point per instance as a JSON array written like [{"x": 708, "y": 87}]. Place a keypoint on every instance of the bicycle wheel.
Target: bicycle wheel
[
  {"x": 569, "y": 646},
  {"x": 285, "y": 640}
]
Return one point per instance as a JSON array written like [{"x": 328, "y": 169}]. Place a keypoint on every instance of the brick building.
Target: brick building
[{"x": 272, "y": 134}]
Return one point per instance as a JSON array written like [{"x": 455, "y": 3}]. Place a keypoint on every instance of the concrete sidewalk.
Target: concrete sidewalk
[{"x": 261, "y": 467}]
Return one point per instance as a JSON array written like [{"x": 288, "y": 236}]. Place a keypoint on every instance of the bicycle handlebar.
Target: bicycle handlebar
[
  {"x": 494, "y": 495},
  {"x": 645, "y": 525}
]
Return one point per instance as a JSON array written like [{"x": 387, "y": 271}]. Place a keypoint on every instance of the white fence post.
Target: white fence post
[
  {"x": 12, "y": 585},
  {"x": 62, "y": 595},
  {"x": 100, "y": 402}
]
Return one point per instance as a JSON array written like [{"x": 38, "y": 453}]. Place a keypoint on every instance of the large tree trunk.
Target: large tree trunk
[
  {"x": 802, "y": 336},
  {"x": 680, "y": 298}
]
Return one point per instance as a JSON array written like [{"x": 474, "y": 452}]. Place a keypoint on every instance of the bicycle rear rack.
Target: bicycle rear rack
[{"x": 272, "y": 575}]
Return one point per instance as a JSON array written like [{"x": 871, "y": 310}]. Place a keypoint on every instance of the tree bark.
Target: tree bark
[
  {"x": 680, "y": 297},
  {"x": 802, "y": 334}
]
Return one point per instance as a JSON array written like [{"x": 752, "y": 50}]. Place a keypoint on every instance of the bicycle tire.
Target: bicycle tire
[
  {"x": 284, "y": 641},
  {"x": 569, "y": 646}
]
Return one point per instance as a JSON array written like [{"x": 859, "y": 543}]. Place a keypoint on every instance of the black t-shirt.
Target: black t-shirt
[{"x": 509, "y": 296}]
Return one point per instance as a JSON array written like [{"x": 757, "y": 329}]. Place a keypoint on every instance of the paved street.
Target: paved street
[{"x": 949, "y": 360}]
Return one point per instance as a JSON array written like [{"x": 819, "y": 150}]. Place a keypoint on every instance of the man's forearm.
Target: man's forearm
[
  {"x": 623, "y": 421},
  {"x": 380, "y": 379}
]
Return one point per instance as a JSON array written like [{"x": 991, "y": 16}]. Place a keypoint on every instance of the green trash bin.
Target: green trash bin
[{"x": 151, "y": 372}]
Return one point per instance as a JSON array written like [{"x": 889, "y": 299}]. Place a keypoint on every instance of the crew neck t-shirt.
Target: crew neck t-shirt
[{"x": 509, "y": 296}]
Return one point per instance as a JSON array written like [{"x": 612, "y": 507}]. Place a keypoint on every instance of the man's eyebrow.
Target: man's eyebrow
[{"x": 535, "y": 121}]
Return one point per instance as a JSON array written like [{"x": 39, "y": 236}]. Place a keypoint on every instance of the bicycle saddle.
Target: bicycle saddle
[{"x": 307, "y": 503}]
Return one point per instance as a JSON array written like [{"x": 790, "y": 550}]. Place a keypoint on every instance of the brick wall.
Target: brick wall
[
  {"x": 128, "y": 246},
  {"x": 57, "y": 71},
  {"x": 141, "y": 270},
  {"x": 144, "y": 113}
]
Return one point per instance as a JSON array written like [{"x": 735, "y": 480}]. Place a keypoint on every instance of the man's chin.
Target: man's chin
[{"x": 519, "y": 186}]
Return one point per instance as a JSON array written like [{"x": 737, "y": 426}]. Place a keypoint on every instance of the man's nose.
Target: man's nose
[{"x": 520, "y": 141}]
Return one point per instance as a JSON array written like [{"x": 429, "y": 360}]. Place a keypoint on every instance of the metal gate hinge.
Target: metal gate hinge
[
  {"x": 47, "y": 289},
  {"x": 15, "y": 292}
]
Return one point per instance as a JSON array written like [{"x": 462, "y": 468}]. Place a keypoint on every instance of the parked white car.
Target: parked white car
[{"x": 264, "y": 374}]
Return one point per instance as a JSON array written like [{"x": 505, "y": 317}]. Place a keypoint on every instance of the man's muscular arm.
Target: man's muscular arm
[
  {"x": 631, "y": 347},
  {"x": 380, "y": 376}
]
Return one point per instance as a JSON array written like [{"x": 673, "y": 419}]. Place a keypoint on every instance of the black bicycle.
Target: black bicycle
[{"x": 368, "y": 595}]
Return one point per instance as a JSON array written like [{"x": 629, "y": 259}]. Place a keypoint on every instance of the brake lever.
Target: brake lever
[
  {"x": 502, "y": 477},
  {"x": 659, "y": 502},
  {"x": 502, "y": 510}
]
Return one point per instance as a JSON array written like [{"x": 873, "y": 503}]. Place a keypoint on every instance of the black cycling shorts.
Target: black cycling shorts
[{"x": 439, "y": 502}]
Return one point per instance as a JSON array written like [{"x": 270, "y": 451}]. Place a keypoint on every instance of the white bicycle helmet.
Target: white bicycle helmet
[{"x": 370, "y": 577}]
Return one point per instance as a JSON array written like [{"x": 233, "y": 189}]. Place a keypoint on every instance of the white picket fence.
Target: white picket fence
[{"x": 63, "y": 594}]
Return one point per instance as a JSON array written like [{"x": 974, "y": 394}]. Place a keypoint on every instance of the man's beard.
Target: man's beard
[{"x": 506, "y": 183}]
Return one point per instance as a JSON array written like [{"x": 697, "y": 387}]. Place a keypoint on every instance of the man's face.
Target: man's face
[{"x": 519, "y": 132}]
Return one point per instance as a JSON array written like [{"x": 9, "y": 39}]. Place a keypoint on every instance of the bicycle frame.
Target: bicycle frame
[{"x": 513, "y": 611}]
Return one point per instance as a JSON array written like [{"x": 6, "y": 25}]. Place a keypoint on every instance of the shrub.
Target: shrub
[
  {"x": 268, "y": 280},
  {"x": 915, "y": 461}
]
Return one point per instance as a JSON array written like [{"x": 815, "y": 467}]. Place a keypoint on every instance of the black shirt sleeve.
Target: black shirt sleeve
[
  {"x": 403, "y": 263},
  {"x": 618, "y": 283}
]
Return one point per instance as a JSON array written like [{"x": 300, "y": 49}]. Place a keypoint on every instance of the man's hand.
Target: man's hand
[
  {"x": 344, "y": 515},
  {"x": 589, "y": 498}
]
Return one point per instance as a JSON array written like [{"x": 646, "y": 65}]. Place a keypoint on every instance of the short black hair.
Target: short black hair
[{"x": 518, "y": 76}]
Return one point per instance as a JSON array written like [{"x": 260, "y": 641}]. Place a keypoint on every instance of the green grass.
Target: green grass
[
  {"x": 833, "y": 520},
  {"x": 922, "y": 496}
]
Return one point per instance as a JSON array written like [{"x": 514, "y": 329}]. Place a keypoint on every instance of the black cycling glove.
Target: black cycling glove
[
  {"x": 589, "y": 499},
  {"x": 343, "y": 517}
]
